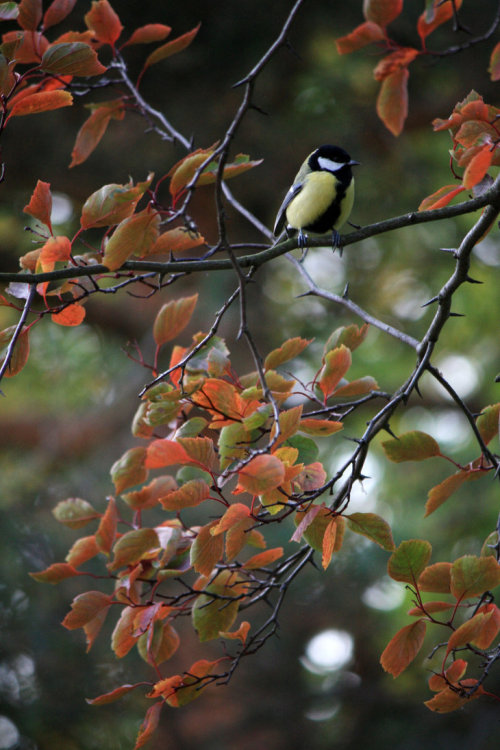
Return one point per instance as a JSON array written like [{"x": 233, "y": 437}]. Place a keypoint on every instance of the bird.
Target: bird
[{"x": 320, "y": 198}]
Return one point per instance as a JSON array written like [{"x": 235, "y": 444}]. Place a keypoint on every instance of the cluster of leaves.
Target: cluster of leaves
[
  {"x": 241, "y": 458},
  {"x": 393, "y": 69}
]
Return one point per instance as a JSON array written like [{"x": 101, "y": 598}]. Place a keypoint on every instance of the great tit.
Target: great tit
[{"x": 321, "y": 196}]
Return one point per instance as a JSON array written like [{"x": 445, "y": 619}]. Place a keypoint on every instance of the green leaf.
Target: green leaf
[
  {"x": 307, "y": 448},
  {"x": 472, "y": 576},
  {"x": 488, "y": 422},
  {"x": 74, "y": 58},
  {"x": 75, "y": 512},
  {"x": 411, "y": 446},
  {"x": 211, "y": 614},
  {"x": 373, "y": 527},
  {"x": 134, "y": 546},
  {"x": 129, "y": 470},
  {"x": 408, "y": 561}
]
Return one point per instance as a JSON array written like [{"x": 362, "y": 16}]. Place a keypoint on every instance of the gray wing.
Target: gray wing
[{"x": 281, "y": 215}]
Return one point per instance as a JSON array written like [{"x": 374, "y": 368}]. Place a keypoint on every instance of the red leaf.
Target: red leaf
[
  {"x": 151, "y": 32},
  {"x": 261, "y": 474},
  {"x": 106, "y": 533},
  {"x": 104, "y": 22},
  {"x": 403, "y": 648},
  {"x": 85, "y": 607},
  {"x": 26, "y": 46},
  {"x": 112, "y": 696},
  {"x": 440, "y": 198},
  {"x": 40, "y": 204},
  {"x": 93, "y": 130},
  {"x": 439, "y": 12},
  {"x": 72, "y": 315},
  {"x": 261, "y": 559},
  {"x": 173, "y": 317},
  {"x": 171, "y": 48},
  {"x": 190, "y": 494},
  {"x": 491, "y": 628},
  {"x": 382, "y": 12},
  {"x": 285, "y": 352},
  {"x": 30, "y": 14},
  {"x": 392, "y": 101},
  {"x": 43, "y": 101},
  {"x": 164, "y": 452},
  {"x": 442, "y": 491},
  {"x": 470, "y": 632},
  {"x": 55, "y": 573},
  {"x": 365, "y": 33},
  {"x": 176, "y": 241},
  {"x": 494, "y": 68},
  {"x": 149, "y": 725},
  {"x": 337, "y": 363},
  {"x": 57, "y": 11},
  {"x": 477, "y": 167}
]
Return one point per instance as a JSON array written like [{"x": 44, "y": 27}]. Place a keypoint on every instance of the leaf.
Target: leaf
[
  {"x": 184, "y": 170},
  {"x": 440, "y": 198},
  {"x": 328, "y": 545},
  {"x": 9, "y": 11},
  {"x": 357, "y": 387},
  {"x": 210, "y": 614},
  {"x": 55, "y": 573},
  {"x": 74, "y": 512},
  {"x": 240, "y": 634},
  {"x": 312, "y": 477},
  {"x": 134, "y": 546},
  {"x": 319, "y": 427},
  {"x": 351, "y": 336},
  {"x": 130, "y": 469},
  {"x": 403, "y": 648},
  {"x": 150, "y": 495},
  {"x": 150, "y": 32},
  {"x": 242, "y": 163},
  {"x": 436, "y": 578},
  {"x": 488, "y": 422},
  {"x": 437, "y": 14},
  {"x": 106, "y": 533},
  {"x": 382, "y": 12},
  {"x": 455, "y": 672},
  {"x": 20, "y": 353},
  {"x": 430, "y": 608},
  {"x": 408, "y": 561},
  {"x": 304, "y": 519},
  {"x": 287, "y": 351},
  {"x": 261, "y": 559},
  {"x": 445, "y": 701},
  {"x": 57, "y": 12},
  {"x": 93, "y": 129},
  {"x": 442, "y": 491},
  {"x": 373, "y": 527},
  {"x": 134, "y": 235},
  {"x": 469, "y": 632},
  {"x": 261, "y": 474},
  {"x": 43, "y": 101},
  {"x": 364, "y": 34},
  {"x": 40, "y": 204},
  {"x": 159, "y": 647},
  {"x": 112, "y": 696},
  {"x": 477, "y": 167},
  {"x": 392, "y": 100},
  {"x": 233, "y": 515},
  {"x": 206, "y": 550},
  {"x": 71, "y": 315},
  {"x": 472, "y": 576},
  {"x": 123, "y": 637},
  {"x": 30, "y": 14},
  {"x": 149, "y": 725},
  {"x": 411, "y": 446},
  {"x": 85, "y": 607},
  {"x": 104, "y": 22},
  {"x": 24, "y": 46},
  {"x": 73, "y": 58},
  {"x": 491, "y": 628},
  {"x": 112, "y": 203},
  {"x": 192, "y": 493},
  {"x": 288, "y": 421},
  {"x": 171, "y": 48},
  {"x": 494, "y": 68},
  {"x": 172, "y": 318},
  {"x": 176, "y": 240},
  {"x": 82, "y": 550},
  {"x": 337, "y": 363},
  {"x": 165, "y": 452}
]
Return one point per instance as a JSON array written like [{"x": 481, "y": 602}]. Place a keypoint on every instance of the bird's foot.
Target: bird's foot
[{"x": 337, "y": 242}]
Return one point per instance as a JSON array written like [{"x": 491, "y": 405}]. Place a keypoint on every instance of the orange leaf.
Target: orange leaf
[
  {"x": 436, "y": 578},
  {"x": 150, "y": 495},
  {"x": 285, "y": 352},
  {"x": 71, "y": 315},
  {"x": 40, "y": 204},
  {"x": 234, "y": 514},
  {"x": 472, "y": 576},
  {"x": 55, "y": 573},
  {"x": 337, "y": 363},
  {"x": 455, "y": 672},
  {"x": 43, "y": 101},
  {"x": 112, "y": 203},
  {"x": 477, "y": 167},
  {"x": 113, "y": 695},
  {"x": 442, "y": 491},
  {"x": 173, "y": 317},
  {"x": 262, "y": 559},
  {"x": 494, "y": 68},
  {"x": 491, "y": 628},
  {"x": 470, "y": 632},
  {"x": 85, "y": 607},
  {"x": 171, "y": 48},
  {"x": 382, "y": 12},
  {"x": 329, "y": 543},
  {"x": 164, "y": 452},
  {"x": 124, "y": 637},
  {"x": 93, "y": 130},
  {"x": 104, "y": 22},
  {"x": 240, "y": 634},
  {"x": 149, "y": 725},
  {"x": 403, "y": 648},
  {"x": 440, "y": 198},
  {"x": 261, "y": 474},
  {"x": 190, "y": 494},
  {"x": 357, "y": 387},
  {"x": 184, "y": 170},
  {"x": 55, "y": 249},
  {"x": 445, "y": 701},
  {"x": 436, "y": 14},
  {"x": 82, "y": 550},
  {"x": 151, "y": 32},
  {"x": 177, "y": 241},
  {"x": 106, "y": 533},
  {"x": 133, "y": 236},
  {"x": 392, "y": 101},
  {"x": 365, "y": 33},
  {"x": 25, "y": 46}
]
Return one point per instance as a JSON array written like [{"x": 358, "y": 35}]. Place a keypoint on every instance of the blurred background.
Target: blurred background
[{"x": 66, "y": 417}]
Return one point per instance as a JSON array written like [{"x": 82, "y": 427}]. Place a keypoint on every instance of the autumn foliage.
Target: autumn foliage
[{"x": 221, "y": 455}]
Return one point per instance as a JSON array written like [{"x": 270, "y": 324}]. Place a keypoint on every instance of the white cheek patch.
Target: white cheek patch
[{"x": 329, "y": 165}]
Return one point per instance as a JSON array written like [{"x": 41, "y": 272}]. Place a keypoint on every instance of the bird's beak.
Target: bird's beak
[{"x": 353, "y": 163}]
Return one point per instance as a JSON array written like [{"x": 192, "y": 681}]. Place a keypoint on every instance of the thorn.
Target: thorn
[
  {"x": 358, "y": 441},
  {"x": 417, "y": 389},
  {"x": 456, "y": 315},
  {"x": 387, "y": 428},
  {"x": 363, "y": 476},
  {"x": 471, "y": 280},
  {"x": 354, "y": 226},
  {"x": 451, "y": 250},
  {"x": 430, "y": 301},
  {"x": 345, "y": 293}
]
